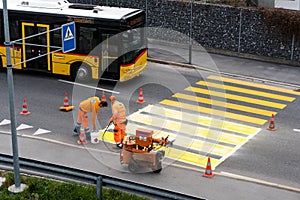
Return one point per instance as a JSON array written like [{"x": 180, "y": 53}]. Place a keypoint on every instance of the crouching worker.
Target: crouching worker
[
  {"x": 119, "y": 120},
  {"x": 90, "y": 105}
]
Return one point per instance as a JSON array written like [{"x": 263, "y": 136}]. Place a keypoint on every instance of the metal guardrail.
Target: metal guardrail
[{"x": 100, "y": 180}]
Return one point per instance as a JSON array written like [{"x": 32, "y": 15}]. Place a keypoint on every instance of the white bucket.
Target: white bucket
[{"x": 94, "y": 137}]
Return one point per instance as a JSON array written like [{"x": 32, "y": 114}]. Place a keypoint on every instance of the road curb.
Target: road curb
[
  {"x": 242, "y": 178},
  {"x": 191, "y": 66}
]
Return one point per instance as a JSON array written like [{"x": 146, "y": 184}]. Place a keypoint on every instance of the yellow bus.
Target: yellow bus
[{"x": 110, "y": 41}]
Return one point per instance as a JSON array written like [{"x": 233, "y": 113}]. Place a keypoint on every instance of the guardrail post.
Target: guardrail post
[{"x": 99, "y": 187}]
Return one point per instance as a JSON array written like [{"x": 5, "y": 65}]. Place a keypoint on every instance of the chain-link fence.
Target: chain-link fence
[{"x": 220, "y": 28}]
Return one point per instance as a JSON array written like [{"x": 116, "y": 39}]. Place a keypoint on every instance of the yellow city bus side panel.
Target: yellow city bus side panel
[
  {"x": 15, "y": 55},
  {"x": 61, "y": 63},
  {"x": 132, "y": 70}
]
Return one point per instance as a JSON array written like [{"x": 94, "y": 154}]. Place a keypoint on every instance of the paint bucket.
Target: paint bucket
[{"x": 94, "y": 137}]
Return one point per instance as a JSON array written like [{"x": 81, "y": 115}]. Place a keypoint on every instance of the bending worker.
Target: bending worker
[
  {"x": 90, "y": 105},
  {"x": 119, "y": 120}
]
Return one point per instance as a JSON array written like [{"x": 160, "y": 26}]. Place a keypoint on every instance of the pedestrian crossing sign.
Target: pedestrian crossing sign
[{"x": 68, "y": 37}]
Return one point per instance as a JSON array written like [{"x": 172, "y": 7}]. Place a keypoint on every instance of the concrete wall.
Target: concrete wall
[
  {"x": 226, "y": 29},
  {"x": 288, "y": 4},
  {"x": 266, "y": 3}
]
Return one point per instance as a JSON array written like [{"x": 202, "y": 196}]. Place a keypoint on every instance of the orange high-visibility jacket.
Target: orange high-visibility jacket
[
  {"x": 91, "y": 105},
  {"x": 119, "y": 112}
]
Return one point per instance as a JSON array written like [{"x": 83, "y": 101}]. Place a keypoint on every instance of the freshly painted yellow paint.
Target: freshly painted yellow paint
[
  {"x": 187, "y": 142},
  {"x": 176, "y": 154},
  {"x": 225, "y": 104},
  {"x": 257, "y": 85},
  {"x": 201, "y": 120},
  {"x": 187, "y": 129},
  {"x": 237, "y": 97},
  {"x": 191, "y": 158},
  {"x": 247, "y": 91},
  {"x": 210, "y": 111}
]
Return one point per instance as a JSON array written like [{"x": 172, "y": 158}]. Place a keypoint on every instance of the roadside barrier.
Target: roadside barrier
[{"x": 62, "y": 172}]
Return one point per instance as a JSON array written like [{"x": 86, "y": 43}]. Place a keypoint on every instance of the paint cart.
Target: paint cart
[{"x": 143, "y": 151}]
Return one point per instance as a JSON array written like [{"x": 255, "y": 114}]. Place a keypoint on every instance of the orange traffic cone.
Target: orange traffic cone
[
  {"x": 82, "y": 138},
  {"x": 272, "y": 124},
  {"x": 103, "y": 98},
  {"x": 141, "y": 97},
  {"x": 66, "y": 106},
  {"x": 208, "y": 171},
  {"x": 24, "y": 108}
]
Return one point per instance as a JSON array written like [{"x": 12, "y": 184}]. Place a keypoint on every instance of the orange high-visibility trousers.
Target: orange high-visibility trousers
[
  {"x": 83, "y": 118},
  {"x": 119, "y": 132}
]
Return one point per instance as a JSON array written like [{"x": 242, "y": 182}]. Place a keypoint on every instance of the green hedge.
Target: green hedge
[{"x": 46, "y": 189}]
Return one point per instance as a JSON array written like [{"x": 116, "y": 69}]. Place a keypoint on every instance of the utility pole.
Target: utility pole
[{"x": 17, "y": 187}]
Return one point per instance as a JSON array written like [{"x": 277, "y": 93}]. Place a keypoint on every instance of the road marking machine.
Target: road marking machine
[{"x": 144, "y": 151}]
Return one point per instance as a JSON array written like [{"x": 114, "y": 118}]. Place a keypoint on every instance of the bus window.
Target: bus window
[
  {"x": 87, "y": 39},
  {"x": 14, "y": 30},
  {"x": 57, "y": 36},
  {"x": 110, "y": 53},
  {"x": 132, "y": 41}
]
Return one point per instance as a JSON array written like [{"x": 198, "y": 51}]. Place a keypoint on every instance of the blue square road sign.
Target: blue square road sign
[{"x": 68, "y": 37}]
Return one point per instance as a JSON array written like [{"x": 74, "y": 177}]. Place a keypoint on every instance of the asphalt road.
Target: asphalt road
[{"x": 269, "y": 156}]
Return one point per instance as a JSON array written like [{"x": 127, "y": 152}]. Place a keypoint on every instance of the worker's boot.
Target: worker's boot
[
  {"x": 119, "y": 145},
  {"x": 76, "y": 130},
  {"x": 82, "y": 139},
  {"x": 87, "y": 133}
]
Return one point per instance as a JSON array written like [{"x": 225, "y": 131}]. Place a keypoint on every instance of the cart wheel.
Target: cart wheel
[
  {"x": 157, "y": 170},
  {"x": 159, "y": 158},
  {"x": 132, "y": 167}
]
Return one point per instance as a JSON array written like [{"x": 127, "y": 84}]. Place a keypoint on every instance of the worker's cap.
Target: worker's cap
[{"x": 112, "y": 98}]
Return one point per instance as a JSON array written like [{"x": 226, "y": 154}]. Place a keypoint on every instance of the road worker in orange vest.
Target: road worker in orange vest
[
  {"x": 119, "y": 120},
  {"x": 90, "y": 105}
]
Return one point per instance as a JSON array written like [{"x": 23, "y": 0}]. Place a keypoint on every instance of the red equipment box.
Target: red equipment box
[{"x": 143, "y": 137}]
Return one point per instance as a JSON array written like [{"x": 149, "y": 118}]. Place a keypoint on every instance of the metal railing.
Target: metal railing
[{"x": 66, "y": 173}]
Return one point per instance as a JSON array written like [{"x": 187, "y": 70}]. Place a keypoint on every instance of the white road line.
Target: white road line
[
  {"x": 4, "y": 122},
  {"x": 41, "y": 131},
  {"x": 24, "y": 126},
  {"x": 222, "y": 173},
  {"x": 297, "y": 130},
  {"x": 88, "y": 86}
]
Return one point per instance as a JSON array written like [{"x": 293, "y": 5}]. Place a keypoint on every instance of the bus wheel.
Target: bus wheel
[{"x": 82, "y": 73}]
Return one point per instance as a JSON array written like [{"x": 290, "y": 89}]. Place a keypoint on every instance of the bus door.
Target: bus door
[
  {"x": 36, "y": 48},
  {"x": 110, "y": 53}
]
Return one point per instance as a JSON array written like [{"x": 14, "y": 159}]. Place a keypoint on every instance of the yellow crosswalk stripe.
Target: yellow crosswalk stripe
[
  {"x": 176, "y": 154},
  {"x": 225, "y": 104},
  {"x": 191, "y": 158},
  {"x": 246, "y": 91},
  {"x": 187, "y": 142},
  {"x": 188, "y": 129},
  {"x": 202, "y": 120},
  {"x": 210, "y": 111},
  {"x": 236, "y": 97},
  {"x": 257, "y": 85}
]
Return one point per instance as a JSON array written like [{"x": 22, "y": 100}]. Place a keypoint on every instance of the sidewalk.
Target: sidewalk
[
  {"x": 180, "y": 55},
  {"x": 185, "y": 180}
]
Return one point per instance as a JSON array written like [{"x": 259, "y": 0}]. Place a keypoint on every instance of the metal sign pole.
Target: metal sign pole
[{"x": 17, "y": 186}]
